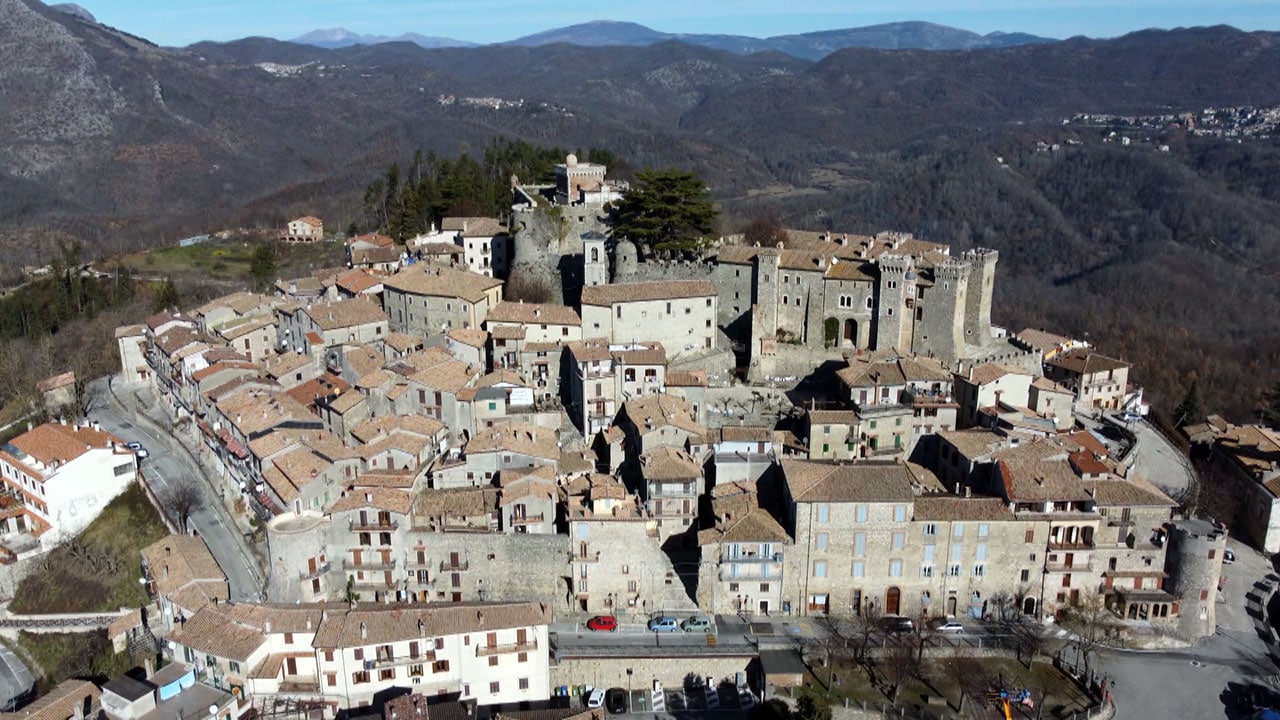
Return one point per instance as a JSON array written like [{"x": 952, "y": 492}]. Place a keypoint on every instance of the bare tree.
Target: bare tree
[
  {"x": 181, "y": 501},
  {"x": 902, "y": 665},
  {"x": 970, "y": 676},
  {"x": 1091, "y": 625},
  {"x": 1028, "y": 639}
]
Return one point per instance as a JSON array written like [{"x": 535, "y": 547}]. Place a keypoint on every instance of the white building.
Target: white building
[
  {"x": 680, "y": 314},
  {"x": 484, "y": 242},
  {"x": 64, "y": 475}
]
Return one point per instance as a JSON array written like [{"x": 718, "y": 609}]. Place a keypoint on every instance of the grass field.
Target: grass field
[
  {"x": 59, "y": 656},
  {"x": 99, "y": 570},
  {"x": 229, "y": 259}
]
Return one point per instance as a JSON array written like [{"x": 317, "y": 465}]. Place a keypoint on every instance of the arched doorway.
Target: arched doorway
[
  {"x": 925, "y": 599},
  {"x": 892, "y": 601},
  {"x": 1029, "y": 606},
  {"x": 850, "y": 332},
  {"x": 951, "y": 606}
]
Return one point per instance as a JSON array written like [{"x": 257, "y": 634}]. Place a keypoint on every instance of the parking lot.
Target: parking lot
[{"x": 698, "y": 698}]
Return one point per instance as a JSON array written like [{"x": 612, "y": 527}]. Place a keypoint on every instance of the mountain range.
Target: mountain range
[
  {"x": 1164, "y": 257},
  {"x": 810, "y": 46}
]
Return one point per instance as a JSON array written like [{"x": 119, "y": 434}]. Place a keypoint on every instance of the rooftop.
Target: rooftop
[{"x": 607, "y": 295}]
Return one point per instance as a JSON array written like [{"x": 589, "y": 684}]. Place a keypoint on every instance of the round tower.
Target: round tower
[
  {"x": 626, "y": 261},
  {"x": 1193, "y": 560},
  {"x": 296, "y": 546}
]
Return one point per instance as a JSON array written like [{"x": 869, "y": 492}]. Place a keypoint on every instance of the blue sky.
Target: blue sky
[{"x": 180, "y": 22}]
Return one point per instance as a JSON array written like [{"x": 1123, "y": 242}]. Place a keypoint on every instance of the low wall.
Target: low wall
[{"x": 671, "y": 670}]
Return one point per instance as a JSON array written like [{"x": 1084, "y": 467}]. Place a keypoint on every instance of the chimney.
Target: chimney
[
  {"x": 150, "y": 667},
  {"x": 364, "y": 632},
  {"x": 308, "y": 622},
  {"x": 266, "y": 626}
]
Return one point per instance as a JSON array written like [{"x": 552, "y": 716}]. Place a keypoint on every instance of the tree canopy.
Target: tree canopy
[{"x": 666, "y": 210}]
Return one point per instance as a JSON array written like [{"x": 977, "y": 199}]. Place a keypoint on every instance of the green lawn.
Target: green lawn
[
  {"x": 99, "y": 570},
  {"x": 229, "y": 259}
]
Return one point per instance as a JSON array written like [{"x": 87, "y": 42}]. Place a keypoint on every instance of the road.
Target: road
[
  {"x": 1157, "y": 459},
  {"x": 166, "y": 468}
]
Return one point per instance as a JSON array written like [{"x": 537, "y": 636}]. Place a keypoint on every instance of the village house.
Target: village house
[
  {"x": 63, "y": 474},
  {"x": 182, "y": 577},
  {"x": 530, "y": 501},
  {"x": 1247, "y": 457},
  {"x": 356, "y": 321},
  {"x": 426, "y": 301},
  {"x": 742, "y": 554},
  {"x": 373, "y": 252},
  {"x": 679, "y": 314},
  {"x": 492, "y": 452},
  {"x": 1099, "y": 382},
  {"x": 305, "y": 229},
  {"x": 988, "y": 386},
  {"x": 131, "y": 341},
  {"x": 484, "y": 241},
  {"x": 898, "y": 399}
]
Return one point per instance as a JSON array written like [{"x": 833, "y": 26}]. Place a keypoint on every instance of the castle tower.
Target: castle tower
[
  {"x": 764, "y": 322},
  {"x": 977, "y": 310},
  {"x": 939, "y": 322},
  {"x": 1193, "y": 560},
  {"x": 626, "y": 261},
  {"x": 891, "y": 306},
  {"x": 595, "y": 260}
]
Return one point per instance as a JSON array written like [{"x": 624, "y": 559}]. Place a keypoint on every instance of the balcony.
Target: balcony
[
  {"x": 527, "y": 519},
  {"x": 584, "y": 556},
  {"x": 300, "y": 685},
  {"x": 454, "y": 565},
  {"x": 516, "y": 647},
  {"x": 774, "y": 558},
  {"x": 321, "y": 570},
  {"x": 1058, "y": 544},
  {"x": 392, "y": 661},
  {"x": 418, "y": 564},
  {"x": 374, "y": 585},
  {"x": 386, "y": 526},
  {"x": 372, "y": 565}
]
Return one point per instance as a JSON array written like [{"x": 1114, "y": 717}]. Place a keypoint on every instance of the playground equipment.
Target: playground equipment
[{"x": 1006, "y": 699}]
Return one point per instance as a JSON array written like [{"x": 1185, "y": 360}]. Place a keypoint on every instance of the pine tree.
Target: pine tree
[
  {"x": 1188, "y": 411},
  {"x": 668, "y": 210}
]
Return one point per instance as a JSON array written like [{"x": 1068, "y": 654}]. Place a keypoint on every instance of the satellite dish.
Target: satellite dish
[{"x": 213, "y": 709}]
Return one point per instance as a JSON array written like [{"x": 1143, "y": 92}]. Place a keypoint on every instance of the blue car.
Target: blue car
[{"x": 664, "y": 623}]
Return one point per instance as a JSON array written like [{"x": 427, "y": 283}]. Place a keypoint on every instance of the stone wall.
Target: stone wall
[{"x": 670, "y": 669}]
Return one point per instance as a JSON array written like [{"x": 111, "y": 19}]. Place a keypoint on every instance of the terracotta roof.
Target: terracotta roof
[
  {"x": 441, "y": 282},
  {"x": 1041, "y": 340},
  {"x": 449, "y": 376},
  {"x": 832, "y": 417},
  {"x": 592, "y": 350},
  {"x": 54, "y": 441},
  {"x": 473, "y": 226},
  {"x": 516, "y": 438},
  {"x": 209, "y": 631},
  {"x": 174, "y": 339},
  {"x": 357, "y": 281},
  {"x": 385, "y": 478},
  {"x": 1043, "y": 383},
  {"x": 1084, "y": 361},
  {"x": 390, "y": 499},
  {"x": 891, "y": 368},
  {"x": 576, "y": 462},
  {"x": 309, "y": 220},
  {"x": 953, "y": 508},
  {"x": 532, "y": 314},
  {"x": 125, "y": 331},
  {"x": 371, "y": 239},
  {"x": 1039, "y": 471},
  {"x": 469, "y": 336},
  {"x": 986, "y": 374},
  {"x": 973, "y": 443},
  {"x": 439, "y": 248},
  {"x": 345, "y": 313},
  {"x": 811, "y": 481},
  {"x": 318, "y": 388},
  {"x": 455, "y": 502},
  {"x": 669, "y": 463},
  {"x": 642, "y": 353},
  {"x": 1131, "y": 492},
  {"x": 508, "y": 332},
  {"x": 642, "y": 291},
  {"x": 65, "y": 700},
  {"x": 178, "y": 560},
  {"x": 658, "y": 410},
  {"x": 384, "y": 624},
  {"x": 374, "y": 255},
  {"x": 384, "y": 425},
  {"x": 686, "y": 378},
  {"x": 57, "y": 381}
]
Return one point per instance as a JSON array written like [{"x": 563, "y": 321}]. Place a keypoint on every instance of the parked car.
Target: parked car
[
  {"x": 951, "y": 626},
  {"x": 898, "y": 625},
  {"x": 616, "y": 701},
  {"x": 696, "y": 624},
  {"x": 664, "y": 623},
  {"x": 133, "y": 445},
  {"x": 595, "y": 698},
  {"x": 603, "y": 623},
  {"x": 1228, "y": 556},
  {"x": 140, "y": 451}
]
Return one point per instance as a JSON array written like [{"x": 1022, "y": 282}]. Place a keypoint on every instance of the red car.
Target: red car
[{"x": 603, "y": 623}]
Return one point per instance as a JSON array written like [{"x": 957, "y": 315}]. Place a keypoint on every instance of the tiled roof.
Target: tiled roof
[
  {"x": 455, "y": 502},
  {"x": 589, "y": 350},
  {"x": 174, "y": 339},
  {"x": 668, "y": 463},
  {"x": 532, "y": 314},
  {"x": 891, "y": 368},
  {"x": 178, "y": 560},
  {"x": 1084, "y": 361},
  {"x": 832, "y": 417},
  {"x": 65, "y": 700},
  {"x": 811, "y": 481},
  {"x": 1039, "y": 471},
  {"x": 364, "y": 626},
  {"x": 441, "y": 282},
  {"x": 973, "y": 443},
  {"x": 57, "y": 381},
  {"x": 209, "y": 631},
  {"x": 642, "y": 353},
  {"x": 390, "y": 499},
  {"x": 953, "y": 508},
  {"x": 54, "y": 441},
  {"x": 469, "y": 336},
  {"x": 243, "y": 326},
  {"x": 403, "y": 341},
  {"x": 357, "y": 281},
  {"x": 345, "y": 313},
  {"x": 516, "y": 438},
  {"x": 1045, "y": 384},
  {"x": 642, "y": 291},
  {"x": 449, "y": 376},
  {"x": 125, "y": 331},
  {"x": 658, "y": 410},
  {"x": 1130, "y": 492},
  {"x": 373, "y": 239},
  {"x": 686, "y": 378},
  {"x": 384, "y": 425},
  {"x": 986, "y": 374},
  {"x": 311, "y": 220},
  {"x": 473, "y": 226},
  {"x": 1040, "y": 340}
]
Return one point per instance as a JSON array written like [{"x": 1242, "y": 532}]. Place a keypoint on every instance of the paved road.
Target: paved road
[
  {"x": 1158, "y": 460},
  {"x": 167, "y": 469}
]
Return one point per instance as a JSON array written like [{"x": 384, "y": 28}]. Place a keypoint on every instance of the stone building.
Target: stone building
[
  {"x": 681, "y": 315},
  {"x": 743, "y": 554},
  {"x": 426, "y": 301},
  {"x": 1099, "y": 382},
  {"x": 1194, "y": 563}
]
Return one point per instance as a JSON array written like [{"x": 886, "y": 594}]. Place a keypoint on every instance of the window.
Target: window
[
  {"x": 360, "y": 677},
  {"x": 1030, "y": 536},
  {"x": 493, "y": 686},
  {"x": 820, "y": 569},
  {"x": 387, "y": 674},
  {"x": 524, "y": 683},
  {"x": 1024, "y": 576},
  {"x": 930, "y": 530},
  {"x": 957, "y": 530},
  {"x": 926, "y": 571},
  {"x": 234, "y": 667},
  {"x": 821, "y": 541},
  {"x": 895, "y": 568},
  {"x": 764, "y": 587},
  {"x": 899, "y": 540},
  {"x": 1212, "y": 553},
  {"x": 979, "y": 570},
  {"x": 440, "y": 666},
  {"x": 733, "y": 587},
  {"x": 981, "y": 554},
  {"x": 983, "y": 529},
  {"x": 900, "y": 511},
  {"x": 953, "y": 570},
  {"x": 860, "y": 513},
  {"x": 859, "y": 544},
  {"x": 415, "y": 670},
  {"x": 522, "y": 657},
  {"x": 358, "y": 653},
  {"x": 493, "y": 661},
  {"x": 331, "y": 679},
  {"x": 824, "y": 513},
  {"x": 859, "y": 569}
]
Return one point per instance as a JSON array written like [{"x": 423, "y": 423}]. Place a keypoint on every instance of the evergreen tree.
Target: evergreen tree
[
  {"x": 1188, "y": 411},
  {"x": 1270, "y": 410},
  {"x": 668, "y": 210},
  {"x": 166, "y": 296},
  {"x": 262, "y": 266}
]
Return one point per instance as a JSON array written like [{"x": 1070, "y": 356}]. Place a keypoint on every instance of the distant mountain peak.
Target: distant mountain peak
[{"x": 332, "y": 38}]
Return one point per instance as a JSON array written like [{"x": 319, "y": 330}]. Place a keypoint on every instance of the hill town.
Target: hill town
[{"x": 410, "y": 480}]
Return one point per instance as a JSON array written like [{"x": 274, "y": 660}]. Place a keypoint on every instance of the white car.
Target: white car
[
  {"x": 595, "y": 698},
  {"x": 952, "y": 626},
  {"x": 1228, "y": 556}
]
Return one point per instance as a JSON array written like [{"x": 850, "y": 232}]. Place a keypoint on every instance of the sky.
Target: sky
[{"x": 181, "y": 22}]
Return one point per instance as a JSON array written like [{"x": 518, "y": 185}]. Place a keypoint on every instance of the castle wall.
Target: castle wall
[
  {"x": 939, "y": 321},
  {"x": 977, "y": 308}
]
